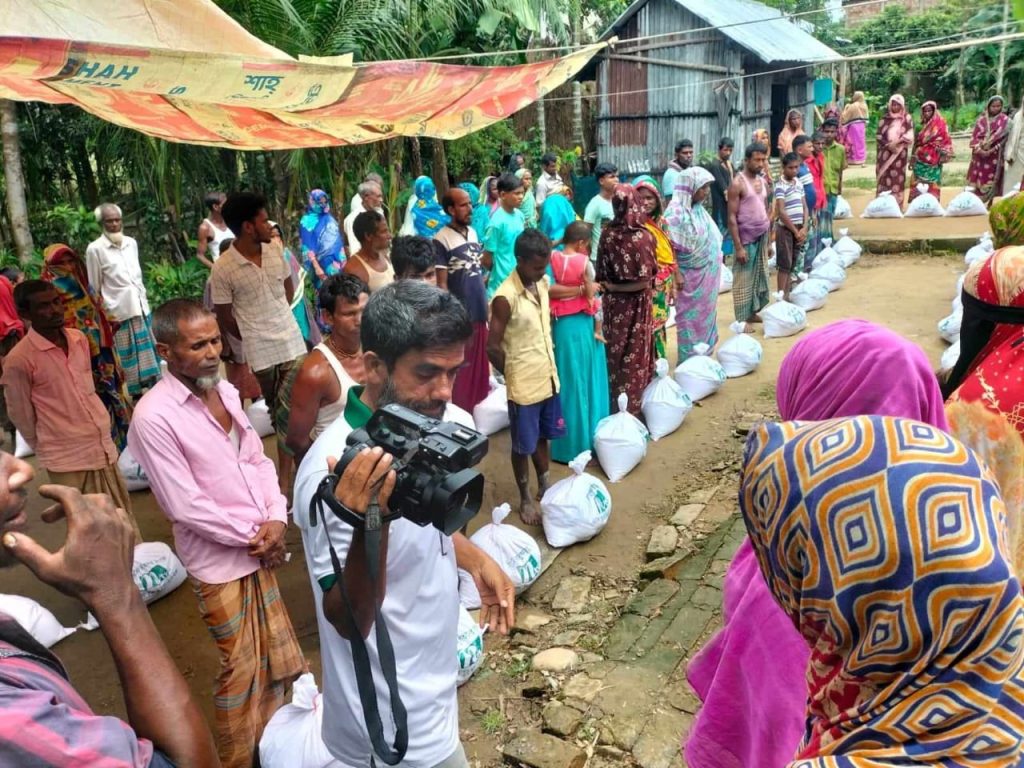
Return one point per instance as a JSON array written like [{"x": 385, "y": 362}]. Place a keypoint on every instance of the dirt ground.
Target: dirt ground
[{"x": 908, "y": 293}]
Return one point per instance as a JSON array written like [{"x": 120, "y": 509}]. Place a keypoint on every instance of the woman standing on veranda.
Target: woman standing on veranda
[
  {"x": 793, "y": 127},
  {"x": 987, "y": 141},
  {"x": 626, "y": 267},
  {"x": 933, "y": 148},
  {"x": 854, "y": 123},
  {"x": 895, "y": 136}
]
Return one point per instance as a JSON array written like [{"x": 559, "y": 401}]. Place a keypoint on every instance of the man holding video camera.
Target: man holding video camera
[{"x": 413, "y": 337}]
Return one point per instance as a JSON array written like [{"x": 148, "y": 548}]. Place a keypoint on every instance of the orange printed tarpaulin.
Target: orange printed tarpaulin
[{"x": 155, "y": 66}]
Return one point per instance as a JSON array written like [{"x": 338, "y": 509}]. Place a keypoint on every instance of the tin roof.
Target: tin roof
[{"x": 772, "y": 37}]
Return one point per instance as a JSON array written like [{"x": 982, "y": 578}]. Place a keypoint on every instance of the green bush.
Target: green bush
[{"x": 166, "y": 280}]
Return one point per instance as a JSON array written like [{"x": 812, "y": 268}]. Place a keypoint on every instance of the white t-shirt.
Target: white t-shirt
[{"x": 421, "y": 610}]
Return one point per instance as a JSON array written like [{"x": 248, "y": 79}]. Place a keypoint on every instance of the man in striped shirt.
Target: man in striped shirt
[{"x": 44, "y": 722}]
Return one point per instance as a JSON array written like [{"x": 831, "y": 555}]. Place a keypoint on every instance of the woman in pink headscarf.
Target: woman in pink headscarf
[{"x": 751, "y": 676}]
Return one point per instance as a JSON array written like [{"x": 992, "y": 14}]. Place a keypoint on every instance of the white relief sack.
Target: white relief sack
[
  {"x": 740, "y": 354},
  {"x": 470, "y": 646},
  {"x": 811, "y": 293},
  {"x": 885, "y": 206},
  {"x": 664, "y": 404},
  {"x": 967, "y": 203},
  {"x": 833, "y": 274},
  {"x": 292, "y": 738},
  {"x": 491, "y": 414},
  {"x": 575, "y": 508},
  {"x": 924, "y": 205},
  {"x": 514, "y": 550},
  {"x": 34, "y": 619},
  {"x": 700, "y": 375},
  {"x": 781, "y": 318},
  {"x": 982, "y": 250},
  {"x": 843, "y": 209},
  {"x": 620, "y": 442}
]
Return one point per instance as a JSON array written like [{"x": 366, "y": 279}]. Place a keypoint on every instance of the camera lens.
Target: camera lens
[{"x": 455, "y": 500}]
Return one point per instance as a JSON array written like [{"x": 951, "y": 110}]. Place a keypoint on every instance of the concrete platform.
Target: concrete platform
[{"x": 899, "y": 235}]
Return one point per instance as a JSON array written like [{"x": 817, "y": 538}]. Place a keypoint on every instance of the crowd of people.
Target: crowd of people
[
  {"x": 504, "y": 282},
  {"x": 997, "y": 150}
]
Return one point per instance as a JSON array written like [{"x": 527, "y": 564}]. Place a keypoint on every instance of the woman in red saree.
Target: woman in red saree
[
  {"x": 987, "y": 144},
  {"x": 933, "y": 147},
  {"x": 895, "y": 135},
  {"x": 626, "y": 268}
]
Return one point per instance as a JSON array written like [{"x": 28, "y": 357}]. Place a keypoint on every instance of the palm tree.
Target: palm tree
[{"x": 14, "y": 181}]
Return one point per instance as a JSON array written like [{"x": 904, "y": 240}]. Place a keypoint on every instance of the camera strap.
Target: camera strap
[{"x": 371, "y": 525}]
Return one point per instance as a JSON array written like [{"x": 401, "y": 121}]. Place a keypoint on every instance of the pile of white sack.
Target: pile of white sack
[
  {"x": 849, "y": 250},
  {"x": 984, "y": 248}
]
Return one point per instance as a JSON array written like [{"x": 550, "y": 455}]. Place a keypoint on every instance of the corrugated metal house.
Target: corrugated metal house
[{"x": 719, "y": 76}]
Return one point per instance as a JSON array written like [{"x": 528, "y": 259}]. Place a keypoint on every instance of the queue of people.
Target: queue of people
[{"x": 422, "y": 320}]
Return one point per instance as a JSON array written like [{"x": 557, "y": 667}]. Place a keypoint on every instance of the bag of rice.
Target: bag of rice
[
  {"x": 967, "y": 203},
  {"x": 848, "y": 249},
  {"x": 491, "y": 414},
  {"x": 34, "y": 619},
  {"x": 575, "y": 508},
  {"x": 725, "y": 279},
  {"x": 950, "y": 357},
  {"x": 843, "y": 209},
  {"x": 827, "y": 255},
  {"x": 949, "y": 327},
  {"x": 293, "y": 737},
  {"x": 469, "y": 596},
  {"x": 134, "y": 475},
  {"x": 924, "y": 205},
  {"x": 259, "y": 417},
  {"x": 470, "y": 646},
  {"x": 22, "y": 450},
  {"x": 885, "y": 206},
  {"x": 781, "y": 318},
  {"x": 958, "y": 298},
  {"x": 833, "y": 274},
  {"x": 811, "y": 293},
  {"x": 620, "y": 441},
  {"x": 515, "y": 551},
  {"x": 982, "y": 250},
  {"x": 742, "y": 353},
  {"x": 664, "y": 404},
  {"x": 700, "y": 376},
  {"x": 156, "y": 571}
]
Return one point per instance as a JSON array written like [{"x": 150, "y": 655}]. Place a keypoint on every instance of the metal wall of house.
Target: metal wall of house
[{"x": 681, "y": 103}]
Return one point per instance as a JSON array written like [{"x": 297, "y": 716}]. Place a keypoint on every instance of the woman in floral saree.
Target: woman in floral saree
[
  {"x": 650, "y": 198},
  {"x": 987, "y": 143},
  {"x": 933, "y": 147}
]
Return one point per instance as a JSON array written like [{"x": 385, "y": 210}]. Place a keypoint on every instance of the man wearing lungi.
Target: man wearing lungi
[
  {"x": 207, "y": 469},
  {"x": 112, "y": 261}
]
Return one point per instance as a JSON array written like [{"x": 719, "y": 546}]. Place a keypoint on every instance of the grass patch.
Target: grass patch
[
  {"x": 492, "y": 721},
  {"x": 951, "y": 179},
  {"x": 517, "y": 668}
]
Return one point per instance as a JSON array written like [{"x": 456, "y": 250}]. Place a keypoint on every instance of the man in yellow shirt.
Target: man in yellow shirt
[{"x": 519, "y": 346}]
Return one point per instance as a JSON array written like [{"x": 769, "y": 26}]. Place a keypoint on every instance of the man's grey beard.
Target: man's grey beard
[
  {"x": 389, "y": 395},
  {"x": 206, "y": 383},
  {"x": 115, "y": 237}
]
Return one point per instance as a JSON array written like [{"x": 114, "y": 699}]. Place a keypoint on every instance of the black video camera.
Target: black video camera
[{"x": 433, "y": 459}]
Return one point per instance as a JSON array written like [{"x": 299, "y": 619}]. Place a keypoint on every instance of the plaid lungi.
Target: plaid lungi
[
  {"x": 750, "y": 280},
  {"x": 137, "y": 351},
  {"x": 259, "y": 659}
]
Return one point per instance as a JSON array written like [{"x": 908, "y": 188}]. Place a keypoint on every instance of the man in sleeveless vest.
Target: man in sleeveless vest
[
  {"x": 213, "y": 230},
  {"x": 749, "y": 226},
  {"x": 327, "y": 375}
]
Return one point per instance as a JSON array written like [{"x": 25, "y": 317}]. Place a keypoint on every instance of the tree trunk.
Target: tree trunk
[
  {"x": 17, "y": 207},
  {"x": 1001, "y": 67},
  {"x": 85, "y": 178},
  {"x": 440, "y": 167},
  {"x": 415, "y": 157},
  {"x": 542, "y": 125},
  {"x": 578, "y": 139}
]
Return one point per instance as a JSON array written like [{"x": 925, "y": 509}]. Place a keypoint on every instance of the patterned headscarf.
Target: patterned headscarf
[
  {"x": 655, "y": 223},
  {"x": 427, "y": 215},
  {"x": 1007, "y": 220},
  {"x": 83, "y": 310},
  {"x": 625, "y": 252},
  {"x": 693, "y": 232},
  {"x": 319, "y": 234},
  {"x": 883, "y": 539},
  {"x": 934, "y": 144}
]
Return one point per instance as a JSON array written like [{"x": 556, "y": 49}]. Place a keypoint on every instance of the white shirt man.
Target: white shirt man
[
  {"x": 369, "y": 198},
  {"x": 112, "y": 261}
]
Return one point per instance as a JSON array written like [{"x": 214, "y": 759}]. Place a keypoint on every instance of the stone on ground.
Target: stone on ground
[
  {"x": 530, "y": 619},
  {"x": 663, "y": 542},
  {"x": 686, "y": 514},
  {"x": 572, "y": 594},
  {"x": 664, "y": 567},
  {"x": 561, "y": 720},
  {"x": 582, "y": 687},
  {"x": 556, "y": 660},
  {"x": 541, "y": 750}
]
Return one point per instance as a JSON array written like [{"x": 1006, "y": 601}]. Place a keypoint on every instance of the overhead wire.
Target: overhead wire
[
  {"x": 646, "y": 38},
  {"x": 882, "y": 52}
]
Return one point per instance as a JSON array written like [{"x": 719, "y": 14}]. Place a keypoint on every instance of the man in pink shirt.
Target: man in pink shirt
[
  {"x": 51, "y": 399},
  {"x": 207, "y": 469}
]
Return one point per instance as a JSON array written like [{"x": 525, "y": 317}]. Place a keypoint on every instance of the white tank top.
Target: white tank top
[
  {"x": 330, "y": 412},
  {"x": 219, "y": 236}
]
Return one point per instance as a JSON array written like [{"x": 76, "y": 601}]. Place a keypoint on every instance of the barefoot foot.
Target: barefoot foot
[{"x": 529, "y": 512}]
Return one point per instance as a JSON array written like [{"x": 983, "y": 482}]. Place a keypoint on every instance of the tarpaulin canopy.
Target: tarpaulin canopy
[{"x": 183, "y": 70}]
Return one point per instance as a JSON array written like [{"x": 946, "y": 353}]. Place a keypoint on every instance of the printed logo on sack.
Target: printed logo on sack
[
  {"x": 471, "y": 648},
  {"x": 527, "y": 566},
  {"x": 149, "y": 576},
  {"x": 599, "y": 500}
]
